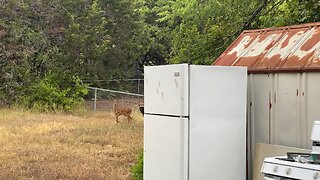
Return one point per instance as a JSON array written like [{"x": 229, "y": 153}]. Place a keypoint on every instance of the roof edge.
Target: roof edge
[
  {"x": 282, "y": 28},
  {"x": 272, "y": 71}
]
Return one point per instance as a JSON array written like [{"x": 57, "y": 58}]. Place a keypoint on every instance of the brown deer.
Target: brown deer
[{"x": 118, "y": 111}]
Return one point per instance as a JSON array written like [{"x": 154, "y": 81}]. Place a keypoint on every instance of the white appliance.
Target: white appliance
[
  {"x": 276, "y": 168},
  {"x": 315, "y": 137},
  {"x": 302, "y": 166},
  {"x": 195, "y": 122}
]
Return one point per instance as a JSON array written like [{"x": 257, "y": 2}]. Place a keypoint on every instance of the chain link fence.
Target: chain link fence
[{"x": 127, "y": 93}]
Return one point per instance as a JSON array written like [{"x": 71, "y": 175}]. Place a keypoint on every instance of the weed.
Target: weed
[{"x": 137, "y": 169}]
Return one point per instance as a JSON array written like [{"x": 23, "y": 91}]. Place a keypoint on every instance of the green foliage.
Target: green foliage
[
  {"x": 89, "y": 39},
  {"x": 201, "y": 28},
  {"x": 290, "y": 12},
  {"x": 86, "y": 41},
  {"x": 48, "y": 95},
  {"x": 137, "y": 169},
  {"x": 44, "y": 44}
]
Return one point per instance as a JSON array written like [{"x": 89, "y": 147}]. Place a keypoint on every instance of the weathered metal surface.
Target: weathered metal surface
[
  {"x": 294, "y": 104},
  {"x": 291, "y": 48},
  {"x": 286, "y": 121}
]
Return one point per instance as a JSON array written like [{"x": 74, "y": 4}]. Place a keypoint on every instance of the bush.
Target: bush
[
  {"x": 54, "y": 93},
  {"x": 137, "y": 169}
]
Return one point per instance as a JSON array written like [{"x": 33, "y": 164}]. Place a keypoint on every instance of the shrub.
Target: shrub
[
  {"x": 137, "y": 169},
  {"x": 54, "y": 93}
]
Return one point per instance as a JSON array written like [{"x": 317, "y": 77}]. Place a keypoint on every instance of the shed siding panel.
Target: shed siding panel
[
  {"x": 260, "y": 107},
  {"x": 313, "y": 102},
  {"x": 285, "y": 124}
]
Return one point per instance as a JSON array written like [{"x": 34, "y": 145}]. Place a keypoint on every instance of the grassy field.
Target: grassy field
[{"x": 60, "y": 146}]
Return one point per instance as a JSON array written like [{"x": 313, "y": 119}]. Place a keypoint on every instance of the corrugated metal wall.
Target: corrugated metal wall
[
  {"x": 283, "y": 83},
  {"x": 284, "y": 80},
  {"x": 283, "y": 107},
  {"x": 281, "y": 110}
]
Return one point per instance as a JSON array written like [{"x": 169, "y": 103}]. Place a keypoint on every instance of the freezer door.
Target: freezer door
[
  {"x": 166, "y": 90},
  {"x": 165, "y": 148},
  {"x": 218, "y": 123}
]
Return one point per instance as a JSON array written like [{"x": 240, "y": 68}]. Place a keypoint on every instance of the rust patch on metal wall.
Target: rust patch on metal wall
[{"x": 289, "y": 49}]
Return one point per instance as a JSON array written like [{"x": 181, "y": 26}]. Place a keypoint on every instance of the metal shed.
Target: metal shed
[{"x": 284, "y": 82}]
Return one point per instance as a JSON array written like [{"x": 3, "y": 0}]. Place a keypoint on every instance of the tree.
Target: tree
[
  {"x": 201, "y": 28},
  {"x": 289, "y": 12},
  {"x": 156, "y": 34},
  {"x": 59, "y": 43}
]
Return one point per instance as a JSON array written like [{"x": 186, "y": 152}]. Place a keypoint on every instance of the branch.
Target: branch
[
  {"x": 273, "y": 7},
  {"x": 254, "y": 15},
  {"x": 247, "y": 24}
]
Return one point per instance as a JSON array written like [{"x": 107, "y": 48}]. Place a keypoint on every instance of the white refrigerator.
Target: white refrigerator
[{"x": 195, "y": 122}]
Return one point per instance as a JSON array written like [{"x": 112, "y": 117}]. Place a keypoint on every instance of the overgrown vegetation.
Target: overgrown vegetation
[
  {"x": 137, "y": 169},
  {"x": 44, "y": 44},
  {"x": 50, "y": 94}
]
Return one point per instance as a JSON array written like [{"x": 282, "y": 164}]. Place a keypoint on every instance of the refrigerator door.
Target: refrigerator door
[
  {"x": 217, "y": 122},
  {"x": 165, "y": 148},
  {"x": 166, "y": 90}
]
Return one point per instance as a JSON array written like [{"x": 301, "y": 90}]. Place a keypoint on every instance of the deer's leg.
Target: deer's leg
[
  {"x": 130, "y": 119},
  {"x": 117, "y": 118}
]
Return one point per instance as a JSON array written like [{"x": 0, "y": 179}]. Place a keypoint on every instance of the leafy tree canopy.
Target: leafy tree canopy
[{"x": 52, "y": 46}]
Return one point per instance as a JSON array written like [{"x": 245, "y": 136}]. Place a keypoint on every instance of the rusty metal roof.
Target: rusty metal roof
[{"x": 285, "y": 49}]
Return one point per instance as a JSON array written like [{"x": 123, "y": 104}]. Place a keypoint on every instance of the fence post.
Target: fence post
[
  {"x": 95, "y": 100},
  {"x": 138, "y": 86}
]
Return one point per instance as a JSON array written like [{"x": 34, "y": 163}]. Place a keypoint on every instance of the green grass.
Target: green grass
[{"x": 137, "y": 169}]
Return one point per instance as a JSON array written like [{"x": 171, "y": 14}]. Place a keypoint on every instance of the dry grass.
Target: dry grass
[{"x": 60, "y": 146}]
